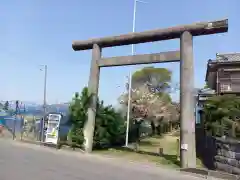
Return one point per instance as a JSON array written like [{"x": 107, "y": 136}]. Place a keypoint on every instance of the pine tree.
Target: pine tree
[
  {"x": 78, "y": 116},
  {"x": 109, "y": 126}
]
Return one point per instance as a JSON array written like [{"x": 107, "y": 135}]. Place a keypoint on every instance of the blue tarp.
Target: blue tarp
[
  {"x": 7, "y": 120},
  {"x": 9, "y": 123}
]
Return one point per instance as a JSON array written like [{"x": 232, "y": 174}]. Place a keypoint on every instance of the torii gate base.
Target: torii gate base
[{"x": 185, "y": 33}]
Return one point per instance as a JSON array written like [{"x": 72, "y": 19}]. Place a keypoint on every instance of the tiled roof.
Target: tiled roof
[
  {"x": 228, "y": 57},
  {"x": 207, "y": 91}
]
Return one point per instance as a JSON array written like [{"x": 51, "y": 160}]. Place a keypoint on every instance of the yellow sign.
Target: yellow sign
[{"x": 54, "y": 132}]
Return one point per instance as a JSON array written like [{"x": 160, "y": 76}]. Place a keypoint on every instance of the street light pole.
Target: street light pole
[{"x": 130, "y": 73}]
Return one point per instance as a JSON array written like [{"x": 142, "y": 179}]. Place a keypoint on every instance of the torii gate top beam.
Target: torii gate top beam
[{"x": 196, "y": 29}]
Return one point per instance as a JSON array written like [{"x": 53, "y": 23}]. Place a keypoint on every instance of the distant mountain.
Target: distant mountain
[
  {"x": 12, "y": 102},
  {"x": 30, "y": 108},
  {"x": 38, "y": 110}
]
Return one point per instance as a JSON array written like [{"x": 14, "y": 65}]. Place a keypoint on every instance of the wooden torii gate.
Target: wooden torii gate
[{"x": 185, "y": 56}]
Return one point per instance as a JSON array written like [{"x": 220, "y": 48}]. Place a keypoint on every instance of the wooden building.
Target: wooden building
[{"x": 223, "y": 73}]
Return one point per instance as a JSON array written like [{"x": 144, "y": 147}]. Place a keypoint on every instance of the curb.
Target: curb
[
  {"x": 63, "y": 147},
  {"x": 209, "y": 173},
  {"x": 67, "y": 148}
]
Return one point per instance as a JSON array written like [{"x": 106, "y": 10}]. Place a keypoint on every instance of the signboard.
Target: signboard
[{"x": 184, "y": 146}]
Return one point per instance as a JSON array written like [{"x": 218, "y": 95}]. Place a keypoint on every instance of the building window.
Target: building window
[{"x": 226, "y": 87}]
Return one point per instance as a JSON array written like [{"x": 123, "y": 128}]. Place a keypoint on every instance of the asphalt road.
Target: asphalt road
[{"x": 31, "y": 162}]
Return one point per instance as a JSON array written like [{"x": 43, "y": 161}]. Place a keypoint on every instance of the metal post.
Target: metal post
[
  {"x": 130, "y": 73},
  {"x": 44, "y": 102},
  {"x": 134, "y": 22},
  {"x": 188, "y": 149},
  {"x": 14, "y": 127},
  {"x": 129, "y": 106},
  {"x": 93, "y": 89},
  {"x": 14, "y": 122},
  {"x": 45, "y": 87}
]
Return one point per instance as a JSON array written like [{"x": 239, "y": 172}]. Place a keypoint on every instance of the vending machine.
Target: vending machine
[{"x": 52, "y": 129}]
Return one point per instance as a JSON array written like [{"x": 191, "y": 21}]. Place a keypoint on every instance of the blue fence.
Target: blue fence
[{"x": 17, "y": 126}]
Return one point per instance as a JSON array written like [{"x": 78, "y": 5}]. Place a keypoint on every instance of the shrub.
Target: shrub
[{"x": 221, "y": 115}]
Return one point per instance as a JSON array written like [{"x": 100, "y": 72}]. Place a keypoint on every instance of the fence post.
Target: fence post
[
  {"x": 233, "y": 130},
  {"x": 22, "y": 127},
  {"x": 178, "y": 149},
  {"x": 14, "y": 128}
]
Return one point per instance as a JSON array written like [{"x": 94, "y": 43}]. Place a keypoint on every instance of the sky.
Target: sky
[{"x": 40, "y": 32}]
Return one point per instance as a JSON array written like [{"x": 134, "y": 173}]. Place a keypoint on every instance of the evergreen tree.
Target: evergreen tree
[
  {"x": 222, "y": 115},
  {"x": 78, "y": 116},
  {"x": 17, "y": 107},
  {"x": 109, "y": 126},
  {"x": 6, "y": 106}
]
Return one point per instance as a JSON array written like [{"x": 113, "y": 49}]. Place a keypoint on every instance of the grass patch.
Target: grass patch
[
  {"x": 148, "y": 151},
  {"x": 28, "y": 118},
  {"x": 137, "y": 157},
  {"x": 152, "y": 144}
]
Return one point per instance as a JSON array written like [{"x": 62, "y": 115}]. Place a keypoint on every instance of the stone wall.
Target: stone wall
[
  {"x": 222, "y": 154},
  {"x": 227, "y": 156}
]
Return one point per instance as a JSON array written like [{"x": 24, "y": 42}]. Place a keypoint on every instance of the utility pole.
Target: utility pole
[
  {"x": 130, "y": 73},
  {"x": 15, "y": 119},
  {"x": 44, "y": 100}
]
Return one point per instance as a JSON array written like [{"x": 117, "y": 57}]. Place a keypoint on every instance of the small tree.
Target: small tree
[{"x": 109, "y": 127}]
